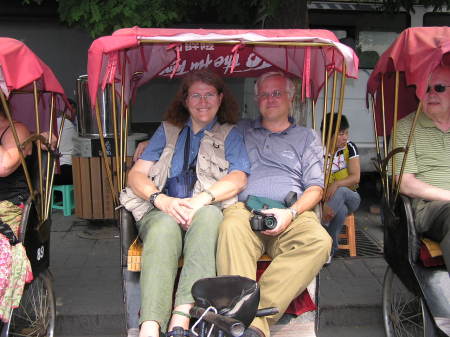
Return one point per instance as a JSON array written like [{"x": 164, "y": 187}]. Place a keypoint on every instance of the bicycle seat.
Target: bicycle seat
[{"x": 233, "y": 296}]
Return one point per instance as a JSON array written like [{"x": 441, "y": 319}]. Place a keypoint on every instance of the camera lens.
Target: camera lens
[{"x": 270, "y": 222}]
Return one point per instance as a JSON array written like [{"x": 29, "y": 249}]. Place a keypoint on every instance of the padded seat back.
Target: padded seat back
[{"x": 128, "y": 233}]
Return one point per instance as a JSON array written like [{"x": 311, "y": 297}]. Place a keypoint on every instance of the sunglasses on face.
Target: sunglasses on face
[{"x": 438, "y": 87}]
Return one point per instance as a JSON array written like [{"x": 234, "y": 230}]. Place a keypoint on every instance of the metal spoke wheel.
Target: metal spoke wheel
[
  {"x": 404, "y": 313},
  {"x": 35, "y": 316}
]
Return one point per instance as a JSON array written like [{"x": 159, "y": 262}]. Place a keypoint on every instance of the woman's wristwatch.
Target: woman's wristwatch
[
  {"x": 213, "y": 198},
  {"x": 153, "y": 197}
]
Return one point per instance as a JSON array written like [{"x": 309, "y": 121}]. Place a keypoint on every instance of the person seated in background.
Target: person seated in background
[
  {"x": 426, "y": 176},
  {"x": 194, "y": 165},
  {"x": 341, "y": 197},
  {"x": 64, "y": 177},
  {"x": 15, "y": 269},
  {"x": 284, "y": 158}
]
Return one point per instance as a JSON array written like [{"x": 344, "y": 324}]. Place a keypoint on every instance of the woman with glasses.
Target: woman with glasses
[{"x": 194, "y": 165}]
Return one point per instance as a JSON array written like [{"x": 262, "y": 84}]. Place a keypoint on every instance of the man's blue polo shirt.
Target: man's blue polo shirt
[
  {"x": 235, "y": 152},
  {"x": 291, "y": 160}
]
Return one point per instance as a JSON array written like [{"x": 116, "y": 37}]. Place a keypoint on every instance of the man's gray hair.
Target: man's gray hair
[{"x": 290, "y": 86}]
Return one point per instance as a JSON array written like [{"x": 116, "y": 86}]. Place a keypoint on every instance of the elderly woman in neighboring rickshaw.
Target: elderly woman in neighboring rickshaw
[
  {"x": 341, "y": 197},
  {"x": 194, "y": 165},
  {"x": 15, "y": 268}
]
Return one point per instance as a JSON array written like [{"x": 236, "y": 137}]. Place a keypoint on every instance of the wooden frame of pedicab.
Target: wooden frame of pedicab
[
  {"x": 37, "y": 92},
  {"x": 394, "y": 89}
]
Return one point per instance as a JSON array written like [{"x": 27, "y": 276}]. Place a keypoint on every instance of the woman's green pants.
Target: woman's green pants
[{"x": 164, "y": 243}]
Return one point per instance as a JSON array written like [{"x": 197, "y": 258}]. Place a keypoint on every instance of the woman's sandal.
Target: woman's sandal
[{"x": 178, "y": 331}]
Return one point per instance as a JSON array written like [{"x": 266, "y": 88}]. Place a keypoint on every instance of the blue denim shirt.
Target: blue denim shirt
[
  {"x": 291, "y": 160},
  {"x": 235, "y": 152}
]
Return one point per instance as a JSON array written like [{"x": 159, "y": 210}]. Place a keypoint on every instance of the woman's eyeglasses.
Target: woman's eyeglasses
[
  {"x": 437, "y": 87},
  {"x": 207, "y": 97}
]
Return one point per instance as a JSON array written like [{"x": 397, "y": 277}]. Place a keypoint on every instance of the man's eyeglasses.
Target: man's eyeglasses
[
  {"x": 207, "y": 97},
  {"x": 273, "y": 94},
  {"x": 438, "y": 87}
]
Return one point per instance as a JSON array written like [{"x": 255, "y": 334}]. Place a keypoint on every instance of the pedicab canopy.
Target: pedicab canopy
[
  {"x": 19, "y": 68},
  {"x": 154, "y": 52},
  {"x": 414, "y": 54}
]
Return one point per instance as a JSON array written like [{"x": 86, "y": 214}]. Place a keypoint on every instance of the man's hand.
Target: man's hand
[
  {"x": 175, "y": 207},
  {"x": 140, "y": 149},
  {"x": 284, "y": 218}
]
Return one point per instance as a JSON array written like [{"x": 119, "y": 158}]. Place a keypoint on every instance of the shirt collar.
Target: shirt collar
[
  {"x": 425, "y": 121},
  {"x": 258, "y": 124},
  {"x": 207, "y": 127}
]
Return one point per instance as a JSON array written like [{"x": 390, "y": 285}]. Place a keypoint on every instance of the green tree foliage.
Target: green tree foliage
[{"x": 102, "y": 17}]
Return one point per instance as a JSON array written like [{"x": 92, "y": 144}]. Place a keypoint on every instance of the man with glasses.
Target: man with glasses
[
  {"x": 426, "y": 177},
  {"x": 284, "y": 157}
]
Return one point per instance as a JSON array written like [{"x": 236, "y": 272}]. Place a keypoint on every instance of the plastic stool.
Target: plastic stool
[
  {"x": 349, "y": 235},
  {"x": 67, "y": 204}
]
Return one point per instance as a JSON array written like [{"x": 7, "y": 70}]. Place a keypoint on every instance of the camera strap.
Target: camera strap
[{"x": 254, "y": 203}]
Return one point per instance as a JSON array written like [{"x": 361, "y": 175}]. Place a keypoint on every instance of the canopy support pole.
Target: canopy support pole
[
  {"x": 39, "y": 149},
  {"x": 394, "y": 127},
  {"x": 115, "y": 130},
  {"x": 408, "y": 144},
  {"x": 122, "y": 132},
  {"x": 330, "y": 156},
  {"x": 325, "y": 105},
  {"x": 105, "y": 157},
  {"x": 385, "y": 145},
  {"x": 49, "y": 176}
]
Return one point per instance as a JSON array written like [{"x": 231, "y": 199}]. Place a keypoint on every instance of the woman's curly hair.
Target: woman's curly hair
[{"x": 178, "y": 114}]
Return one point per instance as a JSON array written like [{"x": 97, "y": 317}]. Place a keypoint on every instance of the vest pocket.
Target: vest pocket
[{"x": 213, "y": 166}]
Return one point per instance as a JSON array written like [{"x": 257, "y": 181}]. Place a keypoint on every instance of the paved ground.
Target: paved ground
[{"x": 87, "y": 280}]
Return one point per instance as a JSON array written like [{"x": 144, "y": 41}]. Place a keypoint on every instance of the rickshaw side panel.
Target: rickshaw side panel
[
  {"x": 400, "y": 241},
  {"x": 37, "y": 242},
  {"x": 131, "y": 285},
  {"x": 34, "y": 234}
]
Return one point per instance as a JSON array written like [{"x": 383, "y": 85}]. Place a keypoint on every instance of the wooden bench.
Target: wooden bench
[
  {"x": 135, "y": 253},
  {"x": 349, "y": 234}
]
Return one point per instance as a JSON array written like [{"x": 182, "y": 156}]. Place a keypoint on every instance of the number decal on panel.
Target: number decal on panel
[{"x": 40, "y": 253}]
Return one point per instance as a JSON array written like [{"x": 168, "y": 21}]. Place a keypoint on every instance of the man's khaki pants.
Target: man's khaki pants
[{"x": 298, "y": 255}]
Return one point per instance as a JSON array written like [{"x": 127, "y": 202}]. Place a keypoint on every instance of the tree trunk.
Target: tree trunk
[{"x": 289, "y": 14}]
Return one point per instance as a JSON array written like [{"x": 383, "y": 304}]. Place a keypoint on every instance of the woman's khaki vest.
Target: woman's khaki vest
[{"x": 211, "y": 167}]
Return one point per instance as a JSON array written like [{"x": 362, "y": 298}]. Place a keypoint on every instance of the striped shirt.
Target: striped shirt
[{"x": 429, "y": 154}]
